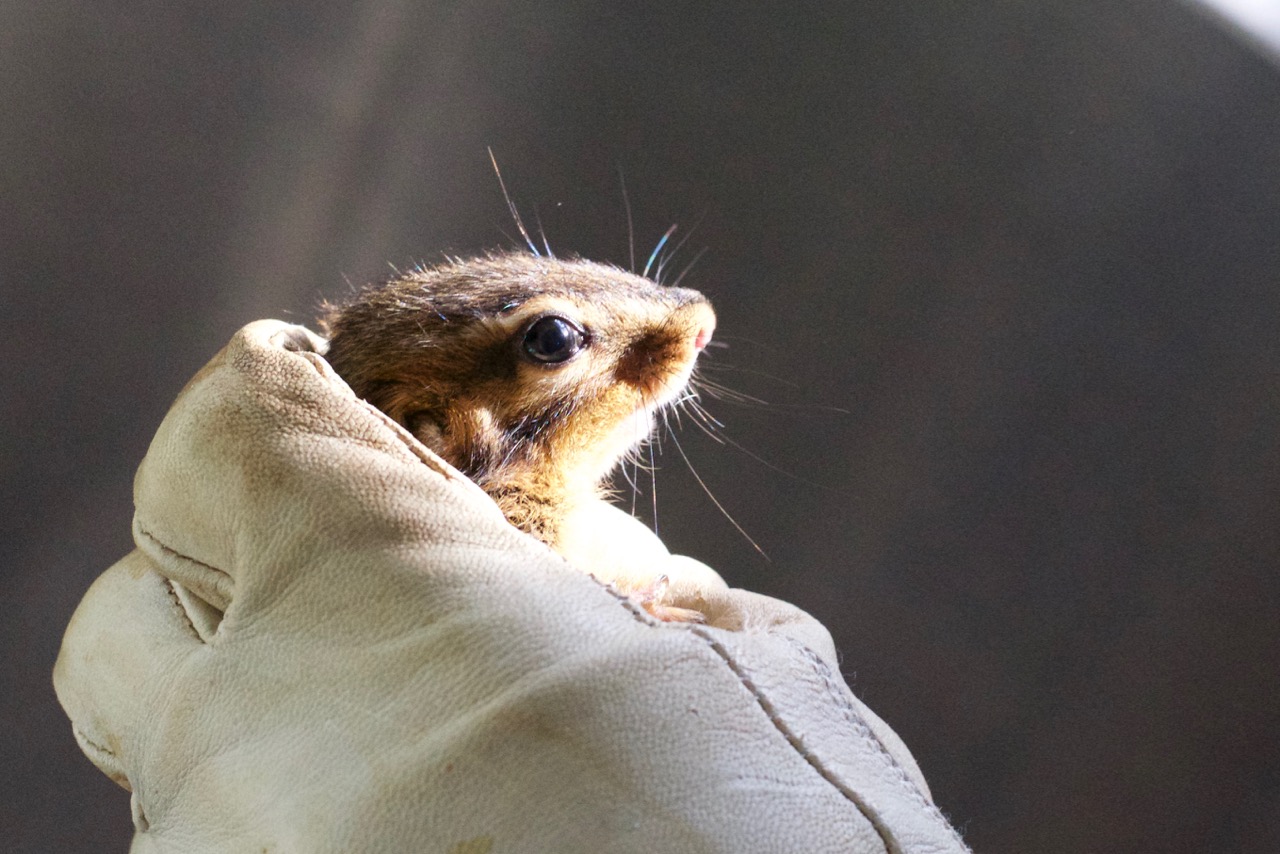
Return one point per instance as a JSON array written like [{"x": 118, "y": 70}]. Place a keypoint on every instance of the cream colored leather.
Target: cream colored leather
[{"x": 327, "y": 640}]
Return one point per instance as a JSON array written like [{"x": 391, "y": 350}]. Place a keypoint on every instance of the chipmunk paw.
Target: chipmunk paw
[{"x": 650, "y": 598}]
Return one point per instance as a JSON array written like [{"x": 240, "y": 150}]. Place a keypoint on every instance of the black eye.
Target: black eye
[{"x": 552, "y": 339}]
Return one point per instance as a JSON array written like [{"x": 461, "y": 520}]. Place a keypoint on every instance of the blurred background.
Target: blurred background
[{"x": 1005, "y": 272}]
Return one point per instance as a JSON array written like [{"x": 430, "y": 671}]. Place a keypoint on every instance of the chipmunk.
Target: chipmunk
[{"x": 534, "y": 376}]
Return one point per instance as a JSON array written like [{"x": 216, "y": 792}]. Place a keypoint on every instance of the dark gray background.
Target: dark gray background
[{"x": 1030, "y": 247}]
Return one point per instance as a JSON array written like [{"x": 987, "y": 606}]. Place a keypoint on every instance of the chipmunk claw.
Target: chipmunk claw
[{"x": 650, "y": 599}]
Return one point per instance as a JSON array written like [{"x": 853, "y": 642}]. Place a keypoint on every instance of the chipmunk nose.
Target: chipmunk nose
[
  {"x": 664, "y": 352},
  {"x": 704, "y": 335},
  {"x": 705, "y": 320}
]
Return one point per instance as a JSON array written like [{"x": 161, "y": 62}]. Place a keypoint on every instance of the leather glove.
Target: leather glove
[{"x": 328, "y": 640}]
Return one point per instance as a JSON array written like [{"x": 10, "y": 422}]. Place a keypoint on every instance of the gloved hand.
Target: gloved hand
[{"x": 327, "y": 640}]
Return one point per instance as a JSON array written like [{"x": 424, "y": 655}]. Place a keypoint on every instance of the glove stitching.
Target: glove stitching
[
  {"x": 98, "y": 747},
  {"x": 186, "y": 617},
  {"x": 851, "y": 715},
  {"x": 886, "y": 836},
  {"x": 176, "y": 555},
  {"x": 797, "y": 743}
]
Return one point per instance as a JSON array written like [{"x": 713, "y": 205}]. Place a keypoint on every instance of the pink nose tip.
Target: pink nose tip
[{"x": 704, "y": 337}]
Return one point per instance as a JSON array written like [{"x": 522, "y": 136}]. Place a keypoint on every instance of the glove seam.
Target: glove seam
[
  {"x": 173, "y": 554},
  {"x": 797, "y": 743},
  {"x": 186, "y": 617},
  {"x": 98, "y": 747},
  {"x": 851, "y": 715},
  {"x": 408, "y": 440},
  {"x": 107, "y": 760}
]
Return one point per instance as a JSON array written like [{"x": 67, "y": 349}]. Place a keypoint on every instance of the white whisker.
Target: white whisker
[
  {"x": 685, "y": 272},
  {"x": 537, "y": 218},
  {"x": 714, "y": 500},
  {"x": 515, "y": 214},
  {"x": 662, "y": 242},
  {"x": 653, "y": 479},
  {"x": 631, "y": 231},
  {"x": 721, "y": 366}
]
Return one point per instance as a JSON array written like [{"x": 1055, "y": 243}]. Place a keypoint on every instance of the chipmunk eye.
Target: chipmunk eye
[{"x": 553, "y": 339}]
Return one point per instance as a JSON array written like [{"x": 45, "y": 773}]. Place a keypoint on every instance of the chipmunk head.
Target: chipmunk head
[{"x": 533, "y": 376}]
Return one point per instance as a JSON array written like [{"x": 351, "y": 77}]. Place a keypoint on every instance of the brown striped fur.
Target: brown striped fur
[{"x": 440, "y": 351}]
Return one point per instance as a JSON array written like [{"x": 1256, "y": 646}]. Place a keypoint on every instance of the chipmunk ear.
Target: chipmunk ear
[
  {"x": 426, "y": 428},
  {"x": 469, "y": 438}
]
